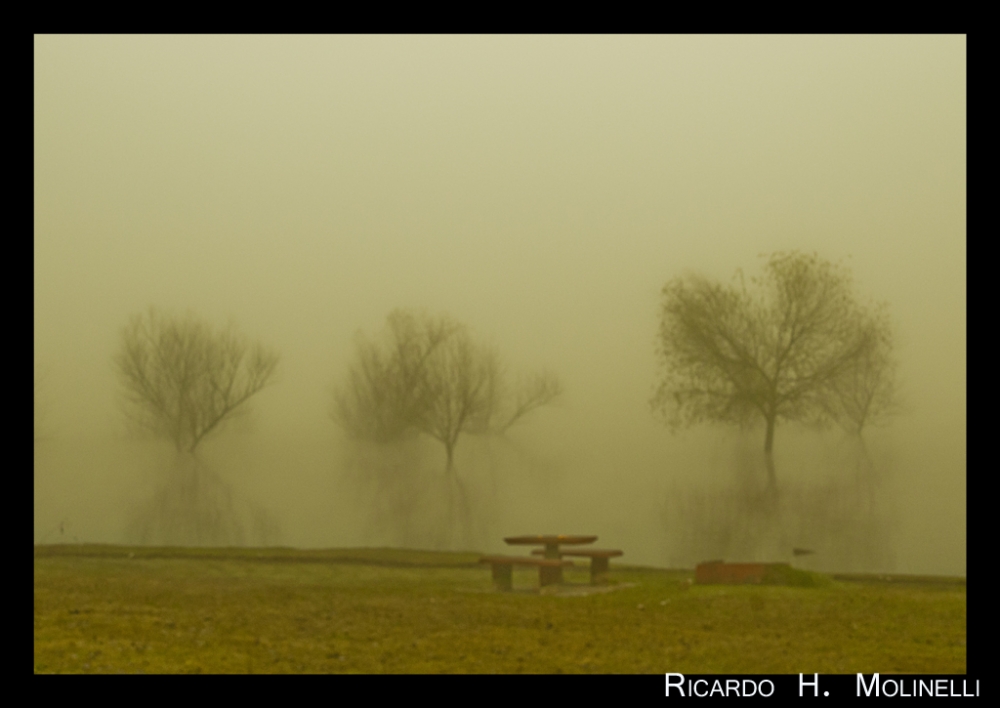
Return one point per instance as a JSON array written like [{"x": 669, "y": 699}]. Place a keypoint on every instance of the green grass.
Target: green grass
[{"x": 97, "y": 610}]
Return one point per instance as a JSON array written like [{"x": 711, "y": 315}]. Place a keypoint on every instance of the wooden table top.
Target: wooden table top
[{"x": 548, "y": 540}]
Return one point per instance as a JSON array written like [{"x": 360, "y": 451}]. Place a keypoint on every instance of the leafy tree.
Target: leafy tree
[
  {"x": 428, "y": 377},
  {"x": 794, "y": 345}
]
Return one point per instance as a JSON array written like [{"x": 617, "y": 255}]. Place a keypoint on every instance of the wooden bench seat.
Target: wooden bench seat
[
  {"x": 598, "y": 560},
  {"x": 549, "y": 569}
]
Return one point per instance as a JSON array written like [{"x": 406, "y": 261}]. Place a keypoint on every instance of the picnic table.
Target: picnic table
[
  {"x": 550, "y": 567},
  {"x": 550, "y": 542}
]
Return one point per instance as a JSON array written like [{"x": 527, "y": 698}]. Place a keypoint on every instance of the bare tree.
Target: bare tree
[
  {"x": 460, "y": 392},
  {"x": 430, "y": 378},
  {"x": 795, "y": 346},
  {"x": 867, "y": 394},
  {"x": 386, "y": 394},
  {"x": 182, "y": 379},
  {"x": 533, "y": 391}
]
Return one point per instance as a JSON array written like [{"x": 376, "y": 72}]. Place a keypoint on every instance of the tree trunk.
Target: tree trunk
[
  {"x": 772, "y": 479},
  {"x": 865, "y": 474},
  {"x": 448, "y": 531},
  {"x": 196, "y": 506},
  {"x": 458, "y": 517}
]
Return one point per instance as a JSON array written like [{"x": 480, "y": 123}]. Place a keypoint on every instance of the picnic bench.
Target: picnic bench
[
  {"x": 598, "y": 560},
  {"x": 549, "y": 569}
]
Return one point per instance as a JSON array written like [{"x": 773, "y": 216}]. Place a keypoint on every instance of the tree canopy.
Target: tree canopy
[
  {"x": 794, "y": 345},
  {"x": 867, "y": 394},
  {"x": 429, "y": 377},
  {"x": 182, "y": 379}
]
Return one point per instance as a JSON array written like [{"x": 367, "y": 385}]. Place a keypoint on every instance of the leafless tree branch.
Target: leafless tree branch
[
  {"x": 430, "y": 377},
  {"x": 182, "y": 380}
]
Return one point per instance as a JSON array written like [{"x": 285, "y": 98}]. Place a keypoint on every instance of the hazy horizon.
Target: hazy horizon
[{"x": 541, "y": 190}]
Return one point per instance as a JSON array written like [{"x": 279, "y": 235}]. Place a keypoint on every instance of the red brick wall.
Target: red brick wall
[{"x": 715, "y": 572}]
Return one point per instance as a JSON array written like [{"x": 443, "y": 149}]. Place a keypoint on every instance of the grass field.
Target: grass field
[{"x": 104, "y": 609}]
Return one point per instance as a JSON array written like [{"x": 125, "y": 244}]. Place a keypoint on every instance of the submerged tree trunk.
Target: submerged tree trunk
[
  {"x": 772, "y": 478},
  {"x": 866, "y": 479},
  {"x": 458, "y": 518},
  {"x": 193, "y": 506},
  {"x": 450, "y": 492},
  {"x": 387, "y": 478}
]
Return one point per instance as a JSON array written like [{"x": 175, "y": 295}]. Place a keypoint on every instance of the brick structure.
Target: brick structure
[{"x": 717, "y": 572}]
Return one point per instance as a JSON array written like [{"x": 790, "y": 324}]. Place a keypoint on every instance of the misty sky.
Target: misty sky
[{"x": 541, "y": 189}]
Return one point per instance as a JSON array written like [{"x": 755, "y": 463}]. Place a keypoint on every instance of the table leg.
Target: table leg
[
  {"x": 598, "y": 570},
  {"x": 503, "y": 576},
  {"x": 551, "y": 575}
]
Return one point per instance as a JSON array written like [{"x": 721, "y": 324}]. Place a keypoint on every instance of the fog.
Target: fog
[{"x": 541, "y": 190}]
